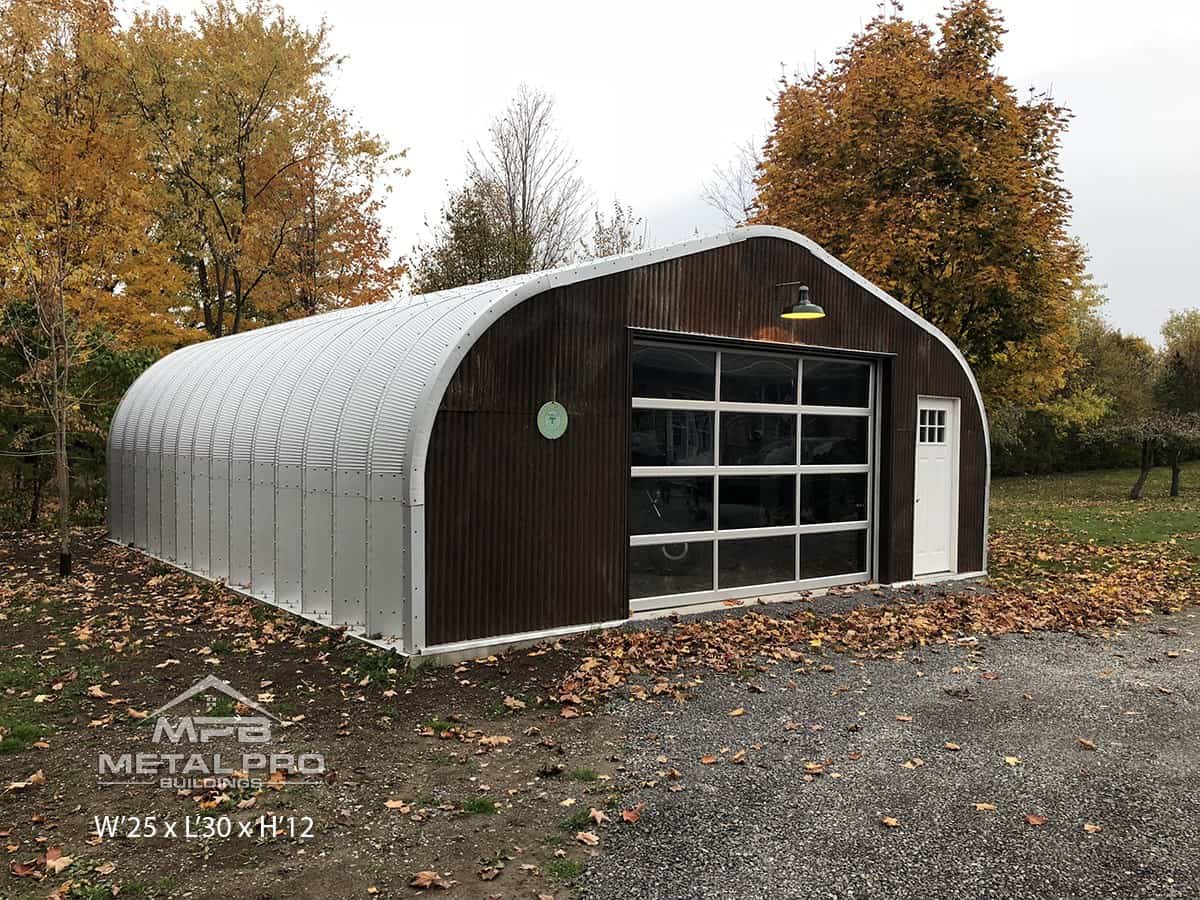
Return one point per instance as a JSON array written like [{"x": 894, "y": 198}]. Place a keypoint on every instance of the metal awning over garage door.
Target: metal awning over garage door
[{"x": 752, "y": 472}]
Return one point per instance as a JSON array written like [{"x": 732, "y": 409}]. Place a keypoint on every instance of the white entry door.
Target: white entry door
[{"x": 936, "y": 502}]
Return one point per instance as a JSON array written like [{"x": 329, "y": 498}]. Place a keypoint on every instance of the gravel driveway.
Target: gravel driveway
[{"x": 759, "y": 829}]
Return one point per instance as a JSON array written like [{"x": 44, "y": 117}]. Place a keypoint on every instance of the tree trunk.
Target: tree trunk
[
  {"x": 64, "y": 496},
  {"x": 1176, "y": 471},
  {"x": 1147, "y": 465},
  {"x": 35, "y": 508}
]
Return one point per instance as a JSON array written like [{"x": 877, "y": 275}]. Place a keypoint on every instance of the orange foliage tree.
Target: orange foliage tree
[
  {"x": 80, "y": 271},
  {"x": 913, "y": 160}
]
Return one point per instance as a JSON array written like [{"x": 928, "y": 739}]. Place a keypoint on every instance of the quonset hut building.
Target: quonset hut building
[{"x": 524, "y": 458}]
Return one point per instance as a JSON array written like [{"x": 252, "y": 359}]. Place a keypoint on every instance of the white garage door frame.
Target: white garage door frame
[{"x": 776, "y": 590}]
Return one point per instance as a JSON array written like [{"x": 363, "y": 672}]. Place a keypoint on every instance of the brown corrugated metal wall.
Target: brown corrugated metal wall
[{"x": 525, "y": 534}]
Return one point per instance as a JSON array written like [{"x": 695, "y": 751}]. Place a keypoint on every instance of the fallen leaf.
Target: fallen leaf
[
  {"x": 950, "y": 745},
  {"x": 1012, "y": 760},
  {"x": 734, "y": 713},
  {"x": 633, "y": 814},
  {"x": 1036, "y": 820},
  {"x": 590, "y": 838},
  {"x": 1086, "y": 744},
  {"x": 597, "y": 816},
  {"x": 708, "y": 759},
  {"x": 25, "y": 870},
  {"x": 427, "y": 879},
  {"x": 57, "y": 863},
  {"x": 985, "y": 807},
  {"x": 514, "y": 703},
  {"x": 890, "y": 822},
  {"x": 1092, "y": 828},
  {"x": 36, "y": 778}
]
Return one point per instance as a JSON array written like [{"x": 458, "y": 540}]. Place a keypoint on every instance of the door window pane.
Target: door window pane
[
  {"x": 931, "y": 426},
  {"x": 757, "y": 501},
  {"x": 670, "y": 505},
  {"x": 674, "y": 372},
  {"x": 828, "y": 383},
  {"x": 838, "y": 553},
  {"x": 833, "y": 440},
  {"x": 747, "y": 378},
  {"x": 833, "y": 498},
  {"x": 757, "y": 561},
  {"x": 670, "y": 569},
  {"x": 671, "y": 437},
  {"x": 758, "y": 439}
]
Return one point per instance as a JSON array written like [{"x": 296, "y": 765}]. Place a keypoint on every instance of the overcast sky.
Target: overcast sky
[{"x": 652, "y": 95}]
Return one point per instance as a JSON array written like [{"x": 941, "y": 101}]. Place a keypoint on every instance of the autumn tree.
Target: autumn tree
[
  {"x": 535, "y": 194},
  {"x": 1163, "y": 418},
  {"x": 272, "y": 200},
  {"x": 619, "y": 232},
  {"x": 522, "y": 208},
  {"x": 81, "y": 272},
  {"x": 913, "y": 160},
  {"x": 469, "y": 244},
  {"x": 1177, "y": 391}
]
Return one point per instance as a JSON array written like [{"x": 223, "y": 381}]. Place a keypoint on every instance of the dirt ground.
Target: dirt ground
[{"x": 488, "y": 782}]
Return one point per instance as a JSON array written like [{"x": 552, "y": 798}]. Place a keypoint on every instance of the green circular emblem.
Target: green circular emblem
[{"x": 552, "y": 420}]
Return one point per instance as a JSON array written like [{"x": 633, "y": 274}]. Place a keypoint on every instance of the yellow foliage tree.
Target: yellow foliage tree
[
  {"x": 910, "y": 158},
  {"x": 271, "y": 200},
  {"x": 80, "y": 270}
]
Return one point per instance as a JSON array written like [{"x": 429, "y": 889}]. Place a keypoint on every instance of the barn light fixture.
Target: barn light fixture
[{"x": 802, "y": 308}]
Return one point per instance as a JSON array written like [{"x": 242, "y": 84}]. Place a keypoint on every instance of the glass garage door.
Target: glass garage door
[{"x": 750, "y": 473}]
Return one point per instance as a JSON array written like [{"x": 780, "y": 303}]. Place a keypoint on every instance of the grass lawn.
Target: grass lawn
[{"x": 1095, "y": 507}]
